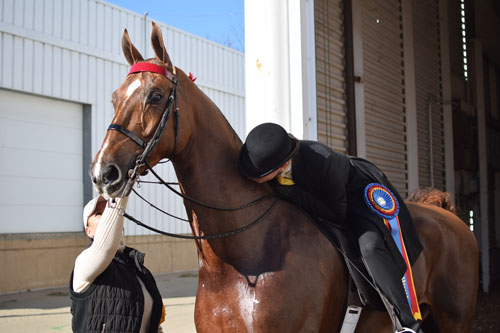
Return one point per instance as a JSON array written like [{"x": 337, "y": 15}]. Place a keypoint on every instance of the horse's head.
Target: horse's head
[{"x": 144, "y": 100}]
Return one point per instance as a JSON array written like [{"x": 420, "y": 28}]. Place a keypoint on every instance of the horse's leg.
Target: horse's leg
[{"x": 452, "y": 304}]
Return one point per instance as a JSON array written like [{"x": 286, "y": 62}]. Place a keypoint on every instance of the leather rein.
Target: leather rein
[{"x": 142, "y": 161}]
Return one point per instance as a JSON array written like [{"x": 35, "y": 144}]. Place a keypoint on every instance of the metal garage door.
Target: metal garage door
[
  {"x": 431, "y": 164},
  {"x": 330, "y": 84},
  {"x": 385, "y": 115},
  {"x": 40, "y": 164}
]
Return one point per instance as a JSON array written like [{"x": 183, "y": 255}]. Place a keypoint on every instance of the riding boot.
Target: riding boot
[{"x": 380, "y": 266}]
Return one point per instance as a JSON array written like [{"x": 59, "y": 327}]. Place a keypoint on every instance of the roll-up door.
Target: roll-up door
[
  {"x": 430, "y": 127},
  {"x": 383, "y": 68},
  {"x": 330, "y": 84},
  {"x": 41, "y": 164}
]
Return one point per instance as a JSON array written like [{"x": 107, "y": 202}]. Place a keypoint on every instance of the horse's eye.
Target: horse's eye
[{"x": 155, "y": 98}]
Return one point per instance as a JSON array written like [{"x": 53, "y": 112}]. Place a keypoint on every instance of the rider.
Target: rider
[{"x": 343, "y": 184}]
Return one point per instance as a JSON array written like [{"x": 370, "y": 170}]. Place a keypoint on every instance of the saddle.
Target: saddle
[
  {"x": 361, "y": 290},
  {"x": 340, "y": 238}
]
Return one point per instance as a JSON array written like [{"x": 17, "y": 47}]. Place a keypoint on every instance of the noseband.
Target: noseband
[{"x": 151, "y": 144}]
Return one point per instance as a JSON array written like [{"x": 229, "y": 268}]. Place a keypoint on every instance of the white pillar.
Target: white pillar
[
  {"x": 483, "y": 162},
  {"x": 303, "y": 120},
  {"x": 410, "y": 97},
  {"x": 266, "y": 63},
  {"x": 280, "y": 65}
]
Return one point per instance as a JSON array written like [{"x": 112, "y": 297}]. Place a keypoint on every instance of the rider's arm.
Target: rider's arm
[{"x": 95, "y": 259}]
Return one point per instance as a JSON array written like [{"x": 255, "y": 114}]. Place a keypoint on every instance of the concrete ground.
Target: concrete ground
[{"x": 48, "y": 310}]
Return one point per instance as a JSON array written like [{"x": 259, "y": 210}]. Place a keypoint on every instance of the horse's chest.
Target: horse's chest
[{"x": 239, "y": 306}]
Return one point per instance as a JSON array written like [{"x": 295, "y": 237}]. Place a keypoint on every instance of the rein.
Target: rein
[{"x": 142, "y": 161}]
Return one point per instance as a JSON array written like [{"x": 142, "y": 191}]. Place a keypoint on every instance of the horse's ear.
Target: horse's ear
[
  {"x": 129, "y": 50},
  {"x": 158, "y": 46}
]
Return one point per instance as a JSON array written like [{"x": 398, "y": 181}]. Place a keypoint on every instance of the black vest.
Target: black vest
[{"x": 115, "y": 301}]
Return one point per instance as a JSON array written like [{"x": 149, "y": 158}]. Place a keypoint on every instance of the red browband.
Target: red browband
[{"x": 148, "y": 67}]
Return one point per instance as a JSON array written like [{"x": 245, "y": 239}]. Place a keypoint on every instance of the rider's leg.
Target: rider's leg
[{"x": 381, "y": 267}]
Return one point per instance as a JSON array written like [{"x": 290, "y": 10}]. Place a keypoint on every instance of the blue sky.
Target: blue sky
[{"x": 221, "y": 21}]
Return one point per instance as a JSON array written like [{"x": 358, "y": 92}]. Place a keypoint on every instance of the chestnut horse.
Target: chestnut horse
[{"x": 282, "y": 275}]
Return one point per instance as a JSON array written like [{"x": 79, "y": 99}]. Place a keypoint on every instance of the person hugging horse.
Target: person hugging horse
[{"x": 346, "y": 191}]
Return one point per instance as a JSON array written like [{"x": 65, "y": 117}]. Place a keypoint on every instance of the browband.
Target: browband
[{"x": 149, "y": 67}]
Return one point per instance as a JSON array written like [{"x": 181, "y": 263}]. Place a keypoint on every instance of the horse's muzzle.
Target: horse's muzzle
[{"x": 108, "y": 179}]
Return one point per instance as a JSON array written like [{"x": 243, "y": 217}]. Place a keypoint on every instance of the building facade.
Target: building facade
[
  {"x": 410, "y": 85},
  {"x": 60, "y": 61}
]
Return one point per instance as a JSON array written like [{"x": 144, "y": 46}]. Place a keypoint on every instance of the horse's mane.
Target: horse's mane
[
  {"x": 432, "y": 196},
  {"x": 233, "y": 133}
]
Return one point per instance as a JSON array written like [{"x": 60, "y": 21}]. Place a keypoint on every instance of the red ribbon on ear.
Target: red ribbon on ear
[{"x": 191, "y": 76}]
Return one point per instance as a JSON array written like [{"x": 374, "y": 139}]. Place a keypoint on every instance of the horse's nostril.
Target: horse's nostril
[{"x": 111, "y": 175}]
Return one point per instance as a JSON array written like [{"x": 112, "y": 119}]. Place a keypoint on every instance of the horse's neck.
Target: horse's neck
[
  {"x": 207, "y": 170},
  {"x": 207, "y": 167}
]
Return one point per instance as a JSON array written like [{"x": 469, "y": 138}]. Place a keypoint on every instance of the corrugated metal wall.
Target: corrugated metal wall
[
  {"x": 385, "y": 115},
  {"x": 71, "y": 50},
  {"x": 431, "y": 164},
  {"x": 330, "y": 82}
]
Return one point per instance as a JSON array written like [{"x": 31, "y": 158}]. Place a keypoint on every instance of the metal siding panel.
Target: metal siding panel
[
  {"x": 107, "y": 33},
  {"x": 47, "y": 88},
  {"x": 38, "y": 18},
  {"x": 19, "y": 13},
  {"x": 384, "y": 91},
  {"x": 99, "y": 101},
  {"x": 27, "y": 66},
  {"x": 428, "y": 83},
  {"x": 8, "y": 11},
  {"x": 74, "y": 75},
  {"x": 65, "y": 74},
  {"x": 108, "y": 91},
  {"x": 2, "y": 49},
  {"x": 66, "y": 20},
  {"x": 6, "y": 59},
  {"x": 75, "y": 20},
  {"x": 83, "y": 77},
  {"x": 92, "y": 82},
  {"x": 57, "y": 14},
  {"x": 29, "y": 8},
  {"x": 330, "y": 83},
  {"x": 99, "y": 24},
  {"x": 17, "y": 80},
  {"x": 115, "y": 32},
  {"x": 84, "y": 23},
  {"x": 48, "y": 15},
  {"x": 92, "y": 34}
]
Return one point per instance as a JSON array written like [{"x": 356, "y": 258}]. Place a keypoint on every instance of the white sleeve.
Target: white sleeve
[{"x": 95, "y": 259}]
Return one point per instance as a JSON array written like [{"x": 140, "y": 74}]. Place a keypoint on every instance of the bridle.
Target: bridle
[
  {"x": 151, "y": 144},
  {"x": 142, "y": 159}
]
